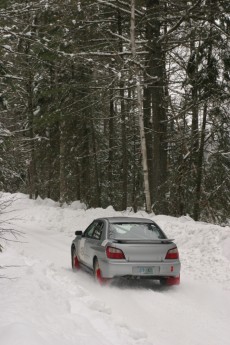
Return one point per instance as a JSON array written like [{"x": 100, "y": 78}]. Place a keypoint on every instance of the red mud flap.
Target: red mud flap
[
  {"x": 100, "y": 279},
  {"x": 76, "y": 263},
  {"x": 173, "y": 281}
]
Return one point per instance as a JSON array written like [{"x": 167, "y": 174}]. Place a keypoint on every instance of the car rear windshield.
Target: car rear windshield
[{"x": 135, "y": 231}]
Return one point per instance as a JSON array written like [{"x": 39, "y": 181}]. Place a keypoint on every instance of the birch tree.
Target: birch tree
[{"x": 137, "y": 78}]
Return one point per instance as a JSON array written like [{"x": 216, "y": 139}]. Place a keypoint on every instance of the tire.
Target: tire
[
  {"x": 97, "y": 272},
  {"x": 163, "y": 282},
  {"x": 74, "y": 260},
  {"x": 98, "y": 275}
]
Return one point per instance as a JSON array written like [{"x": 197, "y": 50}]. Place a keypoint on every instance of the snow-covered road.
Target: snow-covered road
[{"x": 45, "y": 303}]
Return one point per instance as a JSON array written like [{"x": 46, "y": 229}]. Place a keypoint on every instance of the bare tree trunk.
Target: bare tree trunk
[
  {"x": 196, "y": 211},
  {"x": 147, "y": 104},
  {"x": 62, "y": 182},
  {"x": 97, "y": 197},
  {"x": 32, "y": 164},
  {"x": 137, "y": 76},
  {"x": 200, "y": 155},
  {"x": 32, "y": 171},
  {"x": 111, "y": 144},
  {"x": 155, "y": 106},
  {"x": 123, "y": 126},
  {"x": 86, "y": 194},
  {"x": 48, "y": 167},
  {"x": 124, "y": 151},
  {"x": 192, "y": 73}
]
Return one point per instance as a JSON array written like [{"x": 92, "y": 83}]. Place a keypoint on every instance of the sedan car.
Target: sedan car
[{"x": 134, "y": 248}]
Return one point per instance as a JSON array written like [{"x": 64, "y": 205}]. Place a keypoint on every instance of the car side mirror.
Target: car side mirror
[{"x": 78, "y": 233}]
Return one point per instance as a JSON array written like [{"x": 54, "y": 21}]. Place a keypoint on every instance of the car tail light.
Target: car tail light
[
  {"x": 114, "y": 253},
  {"x": 172, "y": 254}
]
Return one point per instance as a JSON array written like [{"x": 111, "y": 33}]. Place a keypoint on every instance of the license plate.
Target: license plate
[{"x": 144, "y": 270}]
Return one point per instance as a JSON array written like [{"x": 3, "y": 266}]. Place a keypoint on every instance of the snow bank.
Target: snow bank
[{"x": 45, "y": 303}]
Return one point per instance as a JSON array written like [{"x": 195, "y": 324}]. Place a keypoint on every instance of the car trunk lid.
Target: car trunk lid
[{"x": 144, "y": 250}]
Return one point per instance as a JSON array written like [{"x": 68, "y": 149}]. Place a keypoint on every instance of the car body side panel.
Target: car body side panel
[
  {"x": 80, "y": 247},
  {"x": 87, "y": 249}
]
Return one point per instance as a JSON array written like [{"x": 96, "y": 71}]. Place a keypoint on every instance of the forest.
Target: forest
[{"x": 117, "y": 102}]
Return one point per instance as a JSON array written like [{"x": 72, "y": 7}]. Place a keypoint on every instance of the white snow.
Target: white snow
[{"x": 44, "y": 303}]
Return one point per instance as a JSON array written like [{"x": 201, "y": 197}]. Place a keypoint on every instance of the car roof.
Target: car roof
[{"x": 127, "y": 220}]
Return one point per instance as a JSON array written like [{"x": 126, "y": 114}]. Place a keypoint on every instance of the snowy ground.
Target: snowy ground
[{"x": 45, "y": 303}]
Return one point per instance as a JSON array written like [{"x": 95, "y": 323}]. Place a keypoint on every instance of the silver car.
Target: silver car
[{"x": 126, "y": 247}]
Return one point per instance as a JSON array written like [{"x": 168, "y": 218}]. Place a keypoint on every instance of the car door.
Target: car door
[
  {"x": 92, "y": 236},
  {"x": 83, "y": 242}
]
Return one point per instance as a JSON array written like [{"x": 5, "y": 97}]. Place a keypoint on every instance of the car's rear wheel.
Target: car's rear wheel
[
  {"x": 98, "y": 275},
  {"x": 163, "y": 281},
  {"x": 74, "y": 259}
]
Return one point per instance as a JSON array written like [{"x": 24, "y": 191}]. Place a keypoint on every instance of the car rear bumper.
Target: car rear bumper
[{"x": 122, "y": 268}]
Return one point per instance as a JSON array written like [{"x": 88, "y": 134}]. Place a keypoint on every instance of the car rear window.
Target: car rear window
[{"x": 142, "y": 231}]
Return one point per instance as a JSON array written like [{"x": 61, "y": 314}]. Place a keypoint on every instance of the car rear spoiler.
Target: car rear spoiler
[{"x": 143, "y": 241}]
